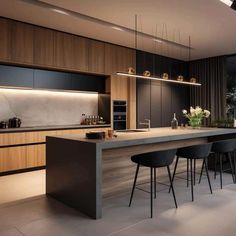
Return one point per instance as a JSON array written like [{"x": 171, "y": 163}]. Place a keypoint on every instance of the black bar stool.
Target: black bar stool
[
  {"x": 193, "y": 153},
  {"x": 154, "y": 160},
  {"x": 221, "y": 149}
]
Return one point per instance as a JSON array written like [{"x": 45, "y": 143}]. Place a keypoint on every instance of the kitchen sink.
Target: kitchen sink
[{"x": 132, "y": 130}]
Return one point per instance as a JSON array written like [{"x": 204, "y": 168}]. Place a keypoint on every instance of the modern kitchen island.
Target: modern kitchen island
[{"x": 74, "y": 164}]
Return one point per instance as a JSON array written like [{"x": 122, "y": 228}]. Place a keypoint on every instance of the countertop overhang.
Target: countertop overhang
[{"x": 155, "y": 135}]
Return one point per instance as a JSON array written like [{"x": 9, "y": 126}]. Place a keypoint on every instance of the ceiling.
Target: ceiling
[{"x": 210, "y": 23}]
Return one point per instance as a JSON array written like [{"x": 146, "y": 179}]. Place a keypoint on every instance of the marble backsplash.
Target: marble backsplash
[{"x": 43, "y": 108}]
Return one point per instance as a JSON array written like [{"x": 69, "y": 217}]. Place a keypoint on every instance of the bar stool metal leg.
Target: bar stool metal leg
[
  {"x": 191, "y": 172},
  {"x": 187, "y": 171},
  {"x": 194, "y": 171},
  {"x": 234, "y": 167},
  {"x": 135, "y": 179},
  {"x": 155, "y": 183},
  {"x": 220, "y": 171},
  {"x": 200, "y": 177},
  {"x": 208, "y": 178},
  {"x": 176, "y": 163},
  {"x": 171, "y": 185},
  {"x": 215, "y": 162},
  {"x": 151, "y": 192},
  {"x": 231, "y": 165}
]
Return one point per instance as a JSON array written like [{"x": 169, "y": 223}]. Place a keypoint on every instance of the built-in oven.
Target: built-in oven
[{"x": 119, "y": 114}]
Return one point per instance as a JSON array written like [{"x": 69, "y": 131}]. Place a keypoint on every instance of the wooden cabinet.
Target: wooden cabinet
[
  {"x": 5, "y": 42},
  {"x": 80, "y": 58},
  {"x": 22, "y": 36},
  {"x": 29, "y": 156},
  {"x": 43, "y": 46},
  {"x": 64, "y": 51},
  {"x": 118, "y": 58},
  {"x": 96, "y": 56}
]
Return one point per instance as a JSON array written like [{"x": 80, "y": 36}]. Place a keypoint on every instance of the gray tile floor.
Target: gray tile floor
[{"x": 207, "y": 215}]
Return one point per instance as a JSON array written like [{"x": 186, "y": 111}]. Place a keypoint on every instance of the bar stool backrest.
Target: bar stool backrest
[
  {"x": 224, "y": 146},
  {"x": 195, "y": 152},
  {"x": 156, "y": 159}
]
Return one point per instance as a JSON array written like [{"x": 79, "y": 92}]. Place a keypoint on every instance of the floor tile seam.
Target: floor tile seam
[{"x": 125, "y": 228}]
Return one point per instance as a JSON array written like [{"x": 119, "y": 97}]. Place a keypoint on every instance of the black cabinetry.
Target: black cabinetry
[
  {"x": 157, "y": 100},
  {"x": 15, "y": 76}
]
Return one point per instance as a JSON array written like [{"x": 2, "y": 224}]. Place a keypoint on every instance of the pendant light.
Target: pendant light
[{"x": 131, "y": 73}]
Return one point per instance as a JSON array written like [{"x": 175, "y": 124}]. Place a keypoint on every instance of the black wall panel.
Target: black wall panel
[{"x": 159, "y": 100}]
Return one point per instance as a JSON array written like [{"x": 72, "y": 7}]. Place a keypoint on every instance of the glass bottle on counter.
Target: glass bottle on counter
[{"x": 174, "y": 122}]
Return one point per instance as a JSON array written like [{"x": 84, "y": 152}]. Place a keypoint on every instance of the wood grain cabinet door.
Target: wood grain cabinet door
[
  {"x": 96, "y": 57},
  {"x": 5, "y": 40},
  {"x": 22, "y": 42},
  {"x": 64, "y": 50},
  {"x": 43, "y": 46},
  {"x": 80, "y": 50}
]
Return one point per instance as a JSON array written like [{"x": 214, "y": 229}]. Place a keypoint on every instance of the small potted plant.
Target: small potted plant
[{"x": 195, "y": 116}]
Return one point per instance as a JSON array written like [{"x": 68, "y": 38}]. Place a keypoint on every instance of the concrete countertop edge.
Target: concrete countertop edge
[{"x": 128, "y": 141}]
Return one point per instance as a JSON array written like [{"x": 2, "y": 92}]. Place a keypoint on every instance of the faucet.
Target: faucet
[{"x": 148, "y": 123}]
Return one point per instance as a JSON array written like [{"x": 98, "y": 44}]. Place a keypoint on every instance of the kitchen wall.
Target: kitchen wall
[{"x": 42, "y": 108}]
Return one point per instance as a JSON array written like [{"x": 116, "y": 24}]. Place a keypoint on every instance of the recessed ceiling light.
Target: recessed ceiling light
[
  {"x": 157, "y": 40},
  {"x": 227, "y": 2},
  {"x": 117, "y": 28},
  {"x": 60, "y": 11}
]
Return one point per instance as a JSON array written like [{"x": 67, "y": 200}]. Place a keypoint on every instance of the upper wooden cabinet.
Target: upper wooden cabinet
[
  {"x": 22, "y": 36},
  {"x": 118, "y": 58},
  {"x": 5, "y": 39},
  {"x": 96, "y": 56},
  {"x": 80, "y": 59},
  {"x": 43, "y": 46},
  {"x": 64, "y": 51}
]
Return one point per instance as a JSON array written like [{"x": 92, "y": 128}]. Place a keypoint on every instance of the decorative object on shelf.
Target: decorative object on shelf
[
  {"x": 193, "y": 80},
  {"x": 146, "y": 73},
  {"x": 180, "y": 78},
  {"x": 131, "y": 70},
  {"x": 174, "y": 122},
  {"x": 165, "y": 76},
  {"x": 195, "y": 116}
]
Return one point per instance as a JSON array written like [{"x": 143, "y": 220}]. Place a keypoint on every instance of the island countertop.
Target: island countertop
[{"x": 155, "y": 135}]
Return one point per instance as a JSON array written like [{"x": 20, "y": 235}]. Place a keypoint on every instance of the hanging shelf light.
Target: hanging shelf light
[{"x": 165, "y": 78}]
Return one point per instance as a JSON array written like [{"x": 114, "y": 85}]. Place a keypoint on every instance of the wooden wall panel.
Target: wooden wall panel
[
  {"x": 5, "y": 40},
  {"x": 22, "y": 36},
  {"x": 43, "y": 46}
]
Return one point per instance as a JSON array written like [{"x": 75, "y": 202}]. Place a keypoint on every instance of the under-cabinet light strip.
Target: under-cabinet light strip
[{"x": 157, "y": 78}]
